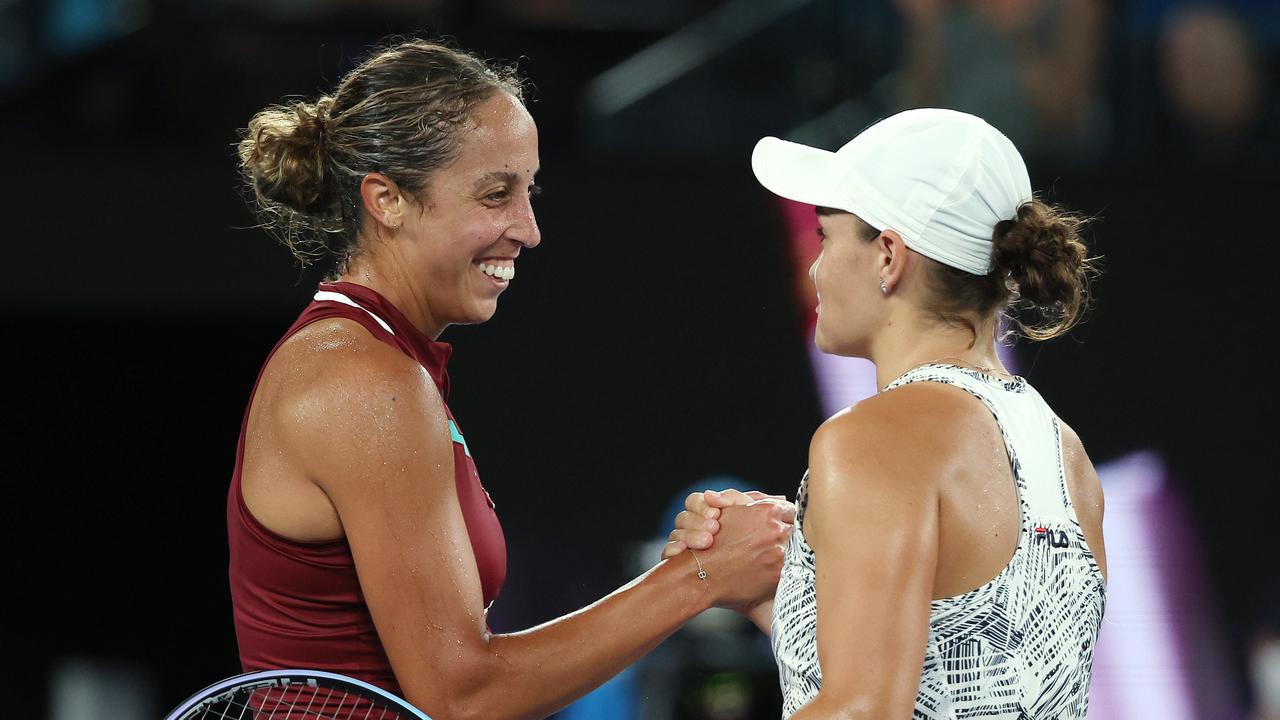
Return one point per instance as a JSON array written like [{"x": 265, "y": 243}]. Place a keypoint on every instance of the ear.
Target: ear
[
  {"x": 383, "y": 200},
  {"x": 893, "y": 259}
]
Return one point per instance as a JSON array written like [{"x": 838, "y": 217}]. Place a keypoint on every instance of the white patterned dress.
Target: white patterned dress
[{"x": 1020, "y": 646}]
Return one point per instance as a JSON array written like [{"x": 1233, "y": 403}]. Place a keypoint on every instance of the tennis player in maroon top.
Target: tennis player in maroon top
[{"x": 362, "y": 541}]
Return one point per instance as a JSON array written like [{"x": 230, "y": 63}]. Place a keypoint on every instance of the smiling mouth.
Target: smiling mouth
[{"x": 501, "y": 271}]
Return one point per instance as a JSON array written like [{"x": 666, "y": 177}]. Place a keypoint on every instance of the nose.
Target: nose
[{"x": 524, "y": 229}]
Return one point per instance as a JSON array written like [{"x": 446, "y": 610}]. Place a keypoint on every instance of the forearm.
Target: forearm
[{"x": 536, "y": 672}]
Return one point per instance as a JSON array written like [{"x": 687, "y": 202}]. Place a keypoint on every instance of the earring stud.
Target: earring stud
[{"x": 884, "y": 287}]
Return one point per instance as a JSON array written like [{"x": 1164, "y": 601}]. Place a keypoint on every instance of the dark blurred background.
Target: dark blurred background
[{"x": 654, "y": 340}]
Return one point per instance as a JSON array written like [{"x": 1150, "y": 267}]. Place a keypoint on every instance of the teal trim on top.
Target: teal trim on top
[{"x": 456, "y": 435}]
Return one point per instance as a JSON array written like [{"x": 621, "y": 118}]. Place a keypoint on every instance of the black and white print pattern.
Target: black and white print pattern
[
  {"x": 1020, "y": 646},
  {"x": 795, "y": 616}
]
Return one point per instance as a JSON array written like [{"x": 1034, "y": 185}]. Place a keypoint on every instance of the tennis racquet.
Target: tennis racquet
[{"x": 294, "y": 695}]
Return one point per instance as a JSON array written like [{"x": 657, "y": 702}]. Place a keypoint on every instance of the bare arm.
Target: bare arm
[
  {"x": 1086, "y": 494},
  {"x": 375, "y": 438},
  {"x": 873, "y": 526}
]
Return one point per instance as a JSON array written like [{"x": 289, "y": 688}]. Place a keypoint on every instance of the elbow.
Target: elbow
[
  {"x": 463, "y": 691},
  {"x": 491, "y": 705},
  {"x": 463, "y": 708},
  {"x": 468, "y": 690},
  {"x": 452, "y": 703}
]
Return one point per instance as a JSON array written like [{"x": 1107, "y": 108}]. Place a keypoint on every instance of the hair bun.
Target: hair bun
[
  {"x": 1042, "y": 256},
  {"x": 283, "y": 155}
]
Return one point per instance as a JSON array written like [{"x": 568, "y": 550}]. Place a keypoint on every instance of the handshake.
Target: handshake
[{"x": 737, "y": 540}]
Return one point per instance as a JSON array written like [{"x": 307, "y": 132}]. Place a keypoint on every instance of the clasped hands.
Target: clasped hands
[{"x": 738, "y": 538}]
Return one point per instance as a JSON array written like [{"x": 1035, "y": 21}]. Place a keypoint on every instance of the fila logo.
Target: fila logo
[{"x": 1056, "y": 538}]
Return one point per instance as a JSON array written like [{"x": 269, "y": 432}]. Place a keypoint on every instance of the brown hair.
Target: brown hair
[
  {"x": 1039, "y": 279},
  {"x": 401, "y": 112}
]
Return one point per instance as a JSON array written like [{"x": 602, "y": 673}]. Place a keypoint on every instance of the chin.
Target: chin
[
  {"x": 825, "y": 341},
  {"x": 482, "y": 312},
  {"x": 820, "y": 341},
  {"x": 835, "y": 346}
]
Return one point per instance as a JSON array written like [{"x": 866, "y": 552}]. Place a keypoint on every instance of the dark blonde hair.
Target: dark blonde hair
[
  {"x": 402, "y": 112},
  {"x": 1040, "y": 275}
]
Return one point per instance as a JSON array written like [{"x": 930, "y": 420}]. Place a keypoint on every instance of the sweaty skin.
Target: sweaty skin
[
  {"x": 911, "y": 496},
  {"x": 347, "y": 437}
]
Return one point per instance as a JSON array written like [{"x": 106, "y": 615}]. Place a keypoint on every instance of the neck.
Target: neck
[
  {"x": 390, "y": 278},
  {"x": 905, "y": 344}
]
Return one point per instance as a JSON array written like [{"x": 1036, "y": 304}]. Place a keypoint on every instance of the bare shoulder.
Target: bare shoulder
[
  {"x": 336, "y": 359},
  {"x": 913, "y": 423},
  {"x": 326, "y": 348},
  {"x": 931, "y": 403},
  {"x": 876, "y": 466},
  {"x": 337, "y": 392},
  {"x": 903, "y": 437},
  {"x": 1082, "y": 478},
  {"x": 1073, "y": 447}
]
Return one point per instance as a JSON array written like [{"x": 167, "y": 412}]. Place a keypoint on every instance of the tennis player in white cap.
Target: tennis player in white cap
[{"x": 947, "y": 560}]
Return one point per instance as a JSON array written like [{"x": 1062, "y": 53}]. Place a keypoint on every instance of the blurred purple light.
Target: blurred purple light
[{"x": 1160, "y": 653}]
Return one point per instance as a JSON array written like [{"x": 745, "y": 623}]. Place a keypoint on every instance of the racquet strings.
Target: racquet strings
[{"x": 294, "y": 702}]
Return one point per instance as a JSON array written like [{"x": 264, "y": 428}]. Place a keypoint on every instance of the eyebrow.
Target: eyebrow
[
  {"x": 820, "y": 211},
  {"x": 505, "y": 176}
]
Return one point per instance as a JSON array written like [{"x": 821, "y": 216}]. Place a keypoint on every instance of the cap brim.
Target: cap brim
[{"x": 796, "y": 172}]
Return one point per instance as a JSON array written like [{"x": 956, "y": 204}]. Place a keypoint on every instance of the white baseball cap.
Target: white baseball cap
[{"x": 941, "y": 179}]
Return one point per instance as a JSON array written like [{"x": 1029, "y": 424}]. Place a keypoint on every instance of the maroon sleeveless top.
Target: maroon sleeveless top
[{"x": 298, "y": 604}]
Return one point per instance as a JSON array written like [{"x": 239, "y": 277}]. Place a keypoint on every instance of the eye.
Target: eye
[
  {"x": 535, "y": 189},
  {"x": 497, "y": 196}
]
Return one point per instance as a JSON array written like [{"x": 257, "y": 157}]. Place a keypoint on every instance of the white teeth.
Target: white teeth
[{"x": 495, "y": 271}]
